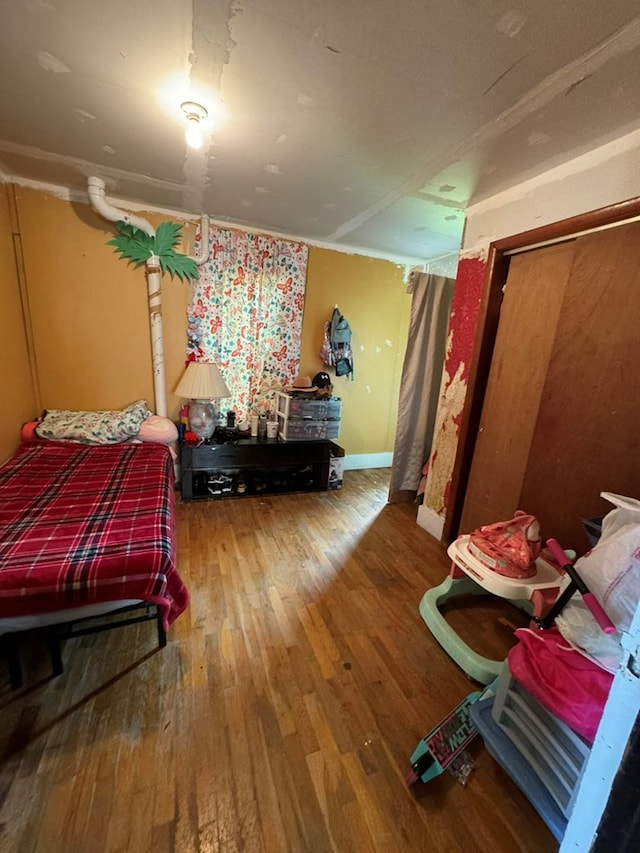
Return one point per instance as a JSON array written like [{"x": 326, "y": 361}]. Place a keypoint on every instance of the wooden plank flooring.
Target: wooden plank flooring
[{"x": 283, "y": 711}]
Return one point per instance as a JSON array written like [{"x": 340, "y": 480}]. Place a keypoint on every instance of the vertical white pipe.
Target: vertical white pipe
[
  {"x": 96, "y": 189},
  {"x": 154, "y": 290},
  {"x": 203, "y": 255}
]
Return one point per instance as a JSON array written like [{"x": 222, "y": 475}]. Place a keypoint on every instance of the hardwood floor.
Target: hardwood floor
[{"x": 282, "y": 713}]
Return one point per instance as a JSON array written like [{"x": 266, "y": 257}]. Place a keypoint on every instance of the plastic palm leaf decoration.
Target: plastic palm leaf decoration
[{"x": 137, "y": 247}]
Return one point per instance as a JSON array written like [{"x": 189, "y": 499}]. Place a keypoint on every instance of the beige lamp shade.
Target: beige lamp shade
[{"x": 202, "y": 381}]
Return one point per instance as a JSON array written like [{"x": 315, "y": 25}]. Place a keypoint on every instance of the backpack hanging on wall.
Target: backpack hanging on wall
[
  {"x": 326, "y": 355},
  {"x": 336, "y": 344},
  {"x": 340, "y": 340}
]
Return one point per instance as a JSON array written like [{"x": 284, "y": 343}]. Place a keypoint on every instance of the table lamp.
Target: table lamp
[{"x": 202, "y": 384}]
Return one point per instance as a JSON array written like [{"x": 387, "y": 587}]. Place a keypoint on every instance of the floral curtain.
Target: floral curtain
[{"x": 246, "y": 315}]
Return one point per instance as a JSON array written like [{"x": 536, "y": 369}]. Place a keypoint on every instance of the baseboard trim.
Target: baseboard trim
[
  {"x": 431, "y": 521},
  {"x": 357, "y": 461}
]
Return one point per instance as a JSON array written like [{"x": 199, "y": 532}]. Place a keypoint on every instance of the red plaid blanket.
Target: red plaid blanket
[{"x": 80, "y": 525}]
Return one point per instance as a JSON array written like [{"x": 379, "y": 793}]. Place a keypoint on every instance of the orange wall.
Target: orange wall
[
  {"x": 371, "y": 295},
  {"x": 17, "y": 395},
  {"x": 91, "y": 332}
]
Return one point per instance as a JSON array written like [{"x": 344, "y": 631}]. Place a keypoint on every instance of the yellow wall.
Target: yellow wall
[
  {"x": 91, "y": 332},
  {"x": 17, "y": 395},
  {"x": 89, "y": 310},
  {"x": 371, "y": 295}
]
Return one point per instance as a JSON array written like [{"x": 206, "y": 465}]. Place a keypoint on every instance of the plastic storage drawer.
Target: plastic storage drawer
[
  {"x": 554, "y": 752},
  {"x": 297, "y": 407},
  {"x": 515, "y": 764},
  {"x": 307, "y": 430}
]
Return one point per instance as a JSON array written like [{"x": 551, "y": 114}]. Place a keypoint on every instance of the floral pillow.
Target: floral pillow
[{"x": 108, "y": 427}]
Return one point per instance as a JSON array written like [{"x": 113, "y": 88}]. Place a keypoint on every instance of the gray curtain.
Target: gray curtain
[{"x": 420, "y": 383}]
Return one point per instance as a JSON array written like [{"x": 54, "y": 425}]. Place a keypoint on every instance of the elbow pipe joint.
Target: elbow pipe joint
[{"x": 99, "y": 203}]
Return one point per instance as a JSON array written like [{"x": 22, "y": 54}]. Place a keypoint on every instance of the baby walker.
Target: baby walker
[
  {"x": 445, "y": 743},
  {"x": 503, "y": 559}
]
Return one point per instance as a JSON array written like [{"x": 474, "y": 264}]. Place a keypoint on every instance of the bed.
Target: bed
[{"x": 86, "y": 530}]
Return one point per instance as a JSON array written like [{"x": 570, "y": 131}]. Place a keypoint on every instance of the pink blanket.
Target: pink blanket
[
  {"x": 562, "y": 680},
  {"x": 82, "y": 524}
]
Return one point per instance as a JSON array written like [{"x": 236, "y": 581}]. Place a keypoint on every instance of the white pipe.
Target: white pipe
[
  {"x": 113, "y": 214},
  {"x": 154, "y": 291},
  {"x": 203, "y": 254}
]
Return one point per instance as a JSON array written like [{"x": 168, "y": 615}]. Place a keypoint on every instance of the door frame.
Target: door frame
[{"x": 497, "y": 269}]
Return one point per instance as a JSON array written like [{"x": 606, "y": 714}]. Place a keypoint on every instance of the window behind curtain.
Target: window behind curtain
[{"x": 246, "y": 315}]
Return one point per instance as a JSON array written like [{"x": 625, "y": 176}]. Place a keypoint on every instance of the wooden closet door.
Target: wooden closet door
[
  {"x": 528, "y": 319},
  {"x": 561, "y": 418},
  {"x": 587, "y": 434}
]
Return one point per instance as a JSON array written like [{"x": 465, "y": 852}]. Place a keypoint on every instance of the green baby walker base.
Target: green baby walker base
[{"x": 468, "y": 576}]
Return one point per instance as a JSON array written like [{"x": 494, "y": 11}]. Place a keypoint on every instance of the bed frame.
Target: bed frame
[
  {"x": 86, "y": 532},
  {"x": 57, "y": 633}
]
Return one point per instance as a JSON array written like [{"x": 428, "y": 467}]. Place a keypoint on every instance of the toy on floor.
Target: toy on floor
[{"x": 439, "y": 749}]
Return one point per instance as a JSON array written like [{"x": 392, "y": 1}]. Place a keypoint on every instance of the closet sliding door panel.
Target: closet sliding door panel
[
  {"x": 528, "y": 319},
  {"x": 587, "y": 433}
]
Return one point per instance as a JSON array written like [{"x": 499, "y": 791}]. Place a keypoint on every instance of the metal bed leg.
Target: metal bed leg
[
  {"x": 162, "y": 634},
  {"x": 55, "y": 652},
  {"x": 10, "y": 648}
]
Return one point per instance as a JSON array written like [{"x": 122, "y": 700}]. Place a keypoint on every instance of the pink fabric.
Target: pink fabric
[
  {"x": 505, "y": 547},
  {"x": 158, "y": 429},
  {"x": 562, "y": 680}
]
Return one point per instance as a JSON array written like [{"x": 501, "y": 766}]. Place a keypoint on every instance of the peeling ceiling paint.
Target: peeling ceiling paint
[
  {"x": 84, "y": 115},
  {"x": 511, "y": 23},
  {"x": 368, "y": 125},
  {"x": 51, "y": 63}
]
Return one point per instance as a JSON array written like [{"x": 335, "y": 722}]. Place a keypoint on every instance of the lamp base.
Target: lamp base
[{"x": 202, "y": 418}]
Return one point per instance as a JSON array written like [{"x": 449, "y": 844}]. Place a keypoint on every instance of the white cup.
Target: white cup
[
  {"x": 272, "y": 429},
  {"x": 254, "y": 425}
]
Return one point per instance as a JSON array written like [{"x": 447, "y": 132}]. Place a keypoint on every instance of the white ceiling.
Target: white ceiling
[{"x": 364, "y": 123}]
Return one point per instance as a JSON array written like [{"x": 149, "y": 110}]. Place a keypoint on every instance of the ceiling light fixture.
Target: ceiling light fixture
[{"x": 195, "y": 113}]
